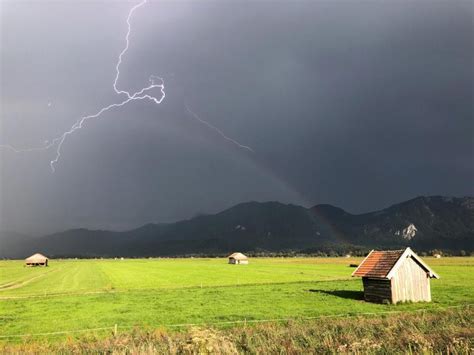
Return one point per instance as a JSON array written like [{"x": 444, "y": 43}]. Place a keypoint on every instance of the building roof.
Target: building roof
[
  {"x": 383, "y": 264},
  {"x": 237, "y": 256},
  {"x": 36, "y": 258}
]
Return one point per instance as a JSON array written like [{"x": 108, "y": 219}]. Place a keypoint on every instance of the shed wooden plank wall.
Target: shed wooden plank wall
[
  {"x": 377, "y": 290},
  {"x": 411, "y": 283}
]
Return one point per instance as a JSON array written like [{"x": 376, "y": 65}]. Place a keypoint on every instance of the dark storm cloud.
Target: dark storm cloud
[{"x": 360, "y": 104}]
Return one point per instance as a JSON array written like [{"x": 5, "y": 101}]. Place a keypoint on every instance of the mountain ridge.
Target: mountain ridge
[{"x": 424, "y": 223}]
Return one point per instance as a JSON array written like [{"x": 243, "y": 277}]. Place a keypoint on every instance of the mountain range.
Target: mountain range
[{"x": 423, "y": 223}]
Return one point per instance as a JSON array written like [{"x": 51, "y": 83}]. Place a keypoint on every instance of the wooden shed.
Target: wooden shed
[
  {"x": 395, "y": 276},
  {"x": 238, "y": 258},
  {"x": 36, "y": 260}
]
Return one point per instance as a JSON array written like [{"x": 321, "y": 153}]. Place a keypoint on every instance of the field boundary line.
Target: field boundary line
[
  {"x": 340, "y": 315},
  {"x": 244, "y": 321},
  {"x": 63, "y": 332}
]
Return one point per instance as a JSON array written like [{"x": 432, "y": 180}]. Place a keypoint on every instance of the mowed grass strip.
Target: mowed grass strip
[
  {"x": 175, "y": 273},
  {"x": 60, "y": 276},
  {"x": 132, "y": 274},
  {"x": 12, "y": 272},
  {"x": 168, "y": 292}
]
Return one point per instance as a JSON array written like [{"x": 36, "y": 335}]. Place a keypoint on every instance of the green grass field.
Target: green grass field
[{"x": 72, "y": 295}]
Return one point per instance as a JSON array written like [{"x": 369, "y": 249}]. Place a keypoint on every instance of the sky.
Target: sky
[{"x": 360, "y": 104}]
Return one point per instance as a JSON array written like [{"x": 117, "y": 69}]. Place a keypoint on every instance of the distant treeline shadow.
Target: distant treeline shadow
[{"x": 355, "y": 295}]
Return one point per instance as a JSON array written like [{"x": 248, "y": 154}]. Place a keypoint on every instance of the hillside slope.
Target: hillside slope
[{"x": 423, "y": 223}]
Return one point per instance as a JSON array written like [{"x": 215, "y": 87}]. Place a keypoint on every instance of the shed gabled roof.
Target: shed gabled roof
[
  {"x": 237, "y": 256},
  {"x": 383, "y": 264},
  {"x": 36, "y": 257}
]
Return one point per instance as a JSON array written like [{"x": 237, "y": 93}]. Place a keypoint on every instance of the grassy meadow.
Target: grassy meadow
[{"x": 75, "y": 295}]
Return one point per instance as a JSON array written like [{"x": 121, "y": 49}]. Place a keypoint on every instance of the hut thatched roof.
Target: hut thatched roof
[
  {"x": 36, "y": 258},
  {"x": 237, "y": 256}
]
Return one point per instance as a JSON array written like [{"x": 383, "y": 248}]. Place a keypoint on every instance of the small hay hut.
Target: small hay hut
[
  {"x": 395, "y": 276},
  {"x": 238, "y": 258},
  {"x": 36, "y": 260}
]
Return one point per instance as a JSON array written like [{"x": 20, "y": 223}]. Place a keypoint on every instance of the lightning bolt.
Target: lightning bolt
[
  {"x": 193, "y": 114},
  {"x": 142, "y": 94},
  {"x": 155, "y": 82}
]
